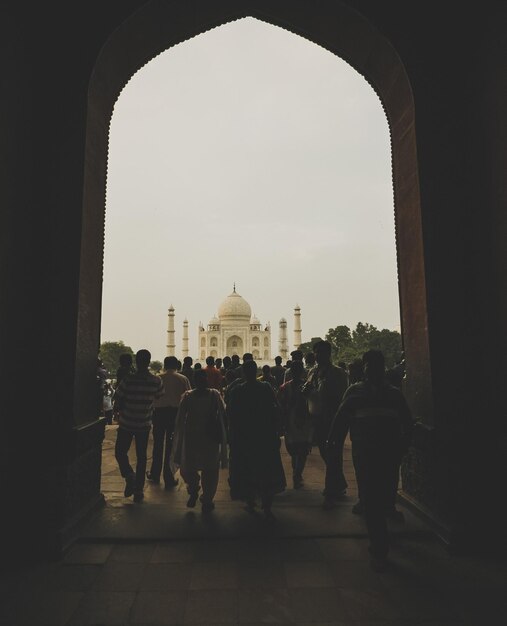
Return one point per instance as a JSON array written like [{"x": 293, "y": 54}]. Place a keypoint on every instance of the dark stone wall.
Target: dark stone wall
[{"x": 455, "y": 59}]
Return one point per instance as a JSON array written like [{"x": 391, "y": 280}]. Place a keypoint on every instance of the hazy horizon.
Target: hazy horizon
[{"x": 247, "y": 155}]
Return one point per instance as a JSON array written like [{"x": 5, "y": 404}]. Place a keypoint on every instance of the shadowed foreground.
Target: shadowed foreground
[{"x": 311, "y": 567}]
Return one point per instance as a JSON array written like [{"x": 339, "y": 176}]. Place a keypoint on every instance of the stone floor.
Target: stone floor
[
  {"x": 283, "y": 581},
  {"x": 163, "y": 515},
  {"x": 267, "y": 577}
]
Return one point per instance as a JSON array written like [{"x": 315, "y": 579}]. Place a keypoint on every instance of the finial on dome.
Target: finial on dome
[{"x": 234, "y": 287}]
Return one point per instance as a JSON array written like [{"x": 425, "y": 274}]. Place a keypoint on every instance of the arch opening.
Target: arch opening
[{"x": 375, "y": 60}]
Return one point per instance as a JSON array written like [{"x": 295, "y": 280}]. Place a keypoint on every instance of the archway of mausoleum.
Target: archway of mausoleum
[
  {"x": 157, "y": 27},
  {"x": 234, "y": 346}
]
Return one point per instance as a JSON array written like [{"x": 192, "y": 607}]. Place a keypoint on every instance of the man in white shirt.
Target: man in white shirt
[{"x": 164, "y": 418}]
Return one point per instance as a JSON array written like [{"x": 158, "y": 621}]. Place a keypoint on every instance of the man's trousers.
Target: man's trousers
[
  {"x": 164, "y": 420},
  {"x": 123, "y": 442}
]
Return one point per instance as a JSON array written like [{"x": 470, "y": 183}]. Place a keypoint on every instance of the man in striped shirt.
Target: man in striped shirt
[{"x": 134, "y": 402}]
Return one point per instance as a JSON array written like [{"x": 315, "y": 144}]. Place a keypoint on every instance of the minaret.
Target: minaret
[
  {"x": 297, "y": 327},
  {"x": 184, "y": 347},
  {"x": 283, "y": 347},
  {"x": 171, "y": 345}
]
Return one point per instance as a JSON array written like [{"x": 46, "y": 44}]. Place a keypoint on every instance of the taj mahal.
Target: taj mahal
[{"x": 235, "y": 331}]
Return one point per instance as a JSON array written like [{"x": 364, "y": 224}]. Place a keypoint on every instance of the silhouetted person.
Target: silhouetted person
[
  {"x": 134, "y": 402},
  {"x": 197, "y": 366},
  {"x": 278, "y": 371},
  {"x": 380, "y": 425},
  {"x": 297, "y": 422},
  {"x": 200, "y": 441},
  {"x": 187, "y": 370},
  {"x": 178, "y": 365},
  {"x": 215, "y": 378},
  {"x": 309, "y": 361},
  {"x": 231, "y": 381},
  {"x": 218, "y": 365},
  {"x": 324, "y": 389},
  {"x": 266, "y": 377},
  {"x": 226, "y": 364},
  {"x": 235, "y": 361},
  {"x": 164, "y": 420},
  {"x": 355, "y": 371},
  {"x": 296, "y": 356},
  {"x": 255, "y": 463},
  {"x": 126, "y": 368},
  {"x": 248, "y": 356}
]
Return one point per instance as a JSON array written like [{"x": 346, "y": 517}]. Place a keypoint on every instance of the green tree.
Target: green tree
[
  {"x": 391, "y": 345},
  {"x": 348, "y": 346},
  {"x": 342, "y": 347},
  {"x": 110, "y": 352},
  {"x": 156, "y": 366}
]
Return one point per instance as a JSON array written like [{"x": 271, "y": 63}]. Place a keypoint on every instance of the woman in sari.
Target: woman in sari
[{"x": 200, "y": 441}]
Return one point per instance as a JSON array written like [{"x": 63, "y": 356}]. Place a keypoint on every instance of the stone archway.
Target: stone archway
[
  {"x": 340, "y": 29},
  {"x": 158, "y": 26},
  {"x": 234, "y": 346}
]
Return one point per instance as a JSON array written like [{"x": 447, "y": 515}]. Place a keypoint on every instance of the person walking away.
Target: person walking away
[
  {"x": 226, "y": 365},
  {"x": 215, "y": 379},
  {"x": 324, "y": 390},
  {"x": 248, "y": 356},
  {"x": 126, "y": 368},
  {"x": 356, "y": 371},
  {"x": 266, "y": 377},
  {"x": 187, "y": 370},
  {"x": 256, "y": 468},
  {"x": 296, "y": 356},
  {"x": 309, "y": 361},
  {"x": 235, "y": 362},
  {"x": 134, "y": 403},
  {"x": 278, "y": 371},
  {"x": 164, "y": 419},
  {"x": 380, "y": 425},
  {"x": 297, "y": 422},
  {"x": 200, "y": 445}
]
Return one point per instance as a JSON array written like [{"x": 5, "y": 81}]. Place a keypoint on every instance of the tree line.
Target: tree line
[{"x": 349, "y": 345}]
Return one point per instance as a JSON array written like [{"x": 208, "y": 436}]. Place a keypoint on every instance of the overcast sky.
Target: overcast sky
[{"x": 247, "y": 154}]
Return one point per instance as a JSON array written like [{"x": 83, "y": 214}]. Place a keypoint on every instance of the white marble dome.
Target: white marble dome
[{"x": 234, "y": 307}]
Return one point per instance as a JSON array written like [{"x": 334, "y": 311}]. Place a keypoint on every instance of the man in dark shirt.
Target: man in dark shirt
[
  {"x": 324, "y": 391},
  {"x": 380, "y": 425},
  {"x": 125, "y": 368},
  {"x": 278, "y": 371}
]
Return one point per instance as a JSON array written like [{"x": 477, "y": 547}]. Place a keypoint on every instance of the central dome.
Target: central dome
[{"x": 234, "y": 307}]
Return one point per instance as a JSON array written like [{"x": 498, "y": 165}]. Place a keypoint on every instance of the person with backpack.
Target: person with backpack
[{"x": 297, "y": 422}]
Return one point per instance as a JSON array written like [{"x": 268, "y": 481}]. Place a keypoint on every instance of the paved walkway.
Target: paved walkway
[
  {"x": 163, "y": 514},
  {"x": 265, "y": 579},
  {"x": 284, "y": 581}
]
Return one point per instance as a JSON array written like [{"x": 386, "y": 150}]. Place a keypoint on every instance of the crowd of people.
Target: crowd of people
[{"x": 229, "y": 414}]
